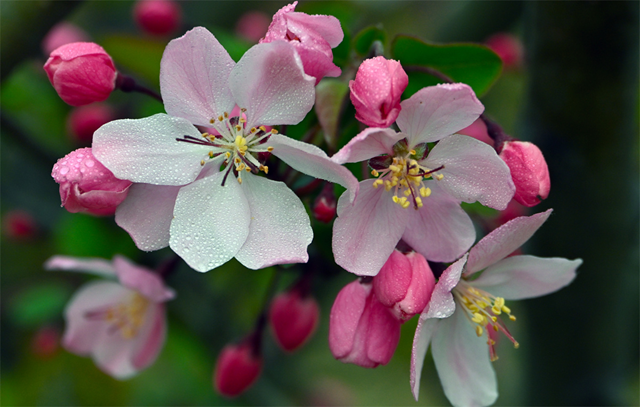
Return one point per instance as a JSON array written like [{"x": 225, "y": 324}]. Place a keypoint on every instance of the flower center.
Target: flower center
[
  {"x": 404, "y": 175},
  {"x": 126, "y": 317},
  {"x": 483, "y": 310}
]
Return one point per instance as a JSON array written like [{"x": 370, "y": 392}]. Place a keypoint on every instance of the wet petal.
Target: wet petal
[
  {"x": 270, "y": 83},
  {"x": 193, "y": 77},
  {"x": 280, "y": 231},
  {"x": 503, "y": 241},
  {"x": 472, "y": 171},
  {"x": 366, "y": 232},
  {"x": 442, "y": 304},
  {"x": 369, "y": 143},
  {"x": 421, "y": 340},
  {"x": 100, "y": 267},
  {"x": 438, "y": 111},
  {"x": 520, "y": 277},
  {"x": 211, "y": 222},
  {"x": 146, "y": 150}
]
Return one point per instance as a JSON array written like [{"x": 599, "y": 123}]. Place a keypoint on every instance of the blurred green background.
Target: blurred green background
[{"x": 576, "y": 96}]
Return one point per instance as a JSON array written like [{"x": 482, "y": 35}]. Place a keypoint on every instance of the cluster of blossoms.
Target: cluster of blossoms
[{"x": 198, "y": 179}]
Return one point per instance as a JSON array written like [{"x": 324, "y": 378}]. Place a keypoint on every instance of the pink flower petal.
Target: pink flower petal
[
  {"x": 366, "y": 232},
  {"x": 193, "y": 77},
  {"x": 438, "y": 111},
  {"x": 346, "y": 312},
  {"x": 462, "y": 362},
  {"x": 280, "y": 231},
  {"x": 88, "y": 265},
  {"x": 112, "y": 354},
  {"x": 312, "y": 161},
  {"x": 503, "y": 241},
  {"x": 328, "y": 27},
  {"x": 152, "y": 338},
  {"x": 421, "y": 340},
  {"x": 146, "y": 150},
  {"x": 315, "y": 62},
  {"x": 520, "y": 277},
  {"x": 369, "y": 143},
  {"x": 211, "y": 222},
  {"x": 472, "y": 171},
  {"x": 441, "y": 230},
  {"x": 270, "y": 83},
  {"x": 442, "y": 304},
  {"x": 142, "y": 280}
]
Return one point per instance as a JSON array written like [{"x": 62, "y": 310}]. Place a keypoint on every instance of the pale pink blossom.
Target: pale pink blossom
[
  {"x": 468, "y": 309},
  {"x": 529, "y": 171},
  {"x": 362, "y": 331},
  {"x": 376, "y": 91},
  {"x": 293, "y": 319},
  {"x": 312, "y": 36},
  {"x": 417, "y": 194},
  {"x": 183, "y": 199},
  {"x": 121, "y": 324},
  {"x": 157, "y": 17},
  {"x": 237, "y": 368},
  {"x": 88, "y": 186},
  {"x": 404, "y": 284},
  {"x": 81, "y": 73},
  {"x": 61, "y": 34}
]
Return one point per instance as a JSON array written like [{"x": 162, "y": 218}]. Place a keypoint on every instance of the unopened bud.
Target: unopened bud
[
  {"x": 88, "y": 186},
  {"x": 237, "y": 368},
  {"x": 19, "y": 225},
  {"x": 83, "y": 121},
  {"x": 45, "y": 342},
  {"x": 293, "y": 319},
  {"x": 404, "y": 284},
  {"x": 157, "y": 17},
  {"x": 362, "y": 331},
  {"x": 81, "y": 73},
  {"x": 324, "y": 207},
  {"x": 529, "y": 171},
  {"x": 508, "y": 47}
]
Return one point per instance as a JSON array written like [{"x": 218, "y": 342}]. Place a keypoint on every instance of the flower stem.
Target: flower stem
[{"x": 127, "y": 84}]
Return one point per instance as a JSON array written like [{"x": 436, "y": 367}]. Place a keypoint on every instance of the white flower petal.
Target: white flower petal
[
  {"x": 280, "y": 231},
  {"x": 211, "y": 222},
  {"x": 421, "y": 340},
  {"x": 96, "y": 266},
  {"x": 442, "y": 304}
]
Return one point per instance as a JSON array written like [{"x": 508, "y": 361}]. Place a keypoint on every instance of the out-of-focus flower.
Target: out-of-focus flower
[
  {"x": 404, "y": 202},
  {"x": 121, "y": 325},
  {"x": 45, "y": 342},
  {"x": 376, "y": 91},
  {"x": 508, "y": 47},
  {"x": 404, "y": 284},
  {"x": 186, "y": 201},
  {"x": 529, "y": 171},
  {"x": 252, "y": 25},
  {"x": 362, "y": 331},
  {"x": 61, "y": 34},
  {"x": 478, "y": 130},
  {"x": 19, "y": 225},
  {"x": 293, "y": 318},
  {"x": 237, "y": 368},
  {"x": 312, "y": 36},
  {"x": 464, "y": 308},
  {"x": 81, "y": 73},
  {"x": 157, "y": 17},
  {"x": 83, "y": 121},
  {"x": 86, "y": 185}
]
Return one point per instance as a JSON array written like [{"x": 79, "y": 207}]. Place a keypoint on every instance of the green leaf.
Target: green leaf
[
  {"x": 140, "y": 56},
  {"x": 330, "y": 94},
  {"x": 365, "y": 38},
  {"x": 473, "y": 64},
  {"x": 38, "y": 304}
]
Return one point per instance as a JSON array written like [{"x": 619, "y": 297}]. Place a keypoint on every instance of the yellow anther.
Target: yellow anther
[
  {"x": 212, "y": 121},
  {"x": 495, "y": 328},
  {"x": 406, "y": 204},
  {"x": 394, "y": 168},
  {"x": 478, "y": 318},
  {"x": 496, "y": 310},
  {"x": 238, "y": 127},
  {"x": 264, "y": 168},
  {"x": 263, "y": 128},
  {"x": 274, "y": 131},
  {"x": 419, "y": 202},
  {"x": 407, "y": 192},
  {"x": 237, "y": 160},
  {"x": 425, "y": 192},
  {"x": 239, "y": 179},
  {"x": 403, "y": 182},
  {"x": 377, "y": 183},
  {"x": 395, "y": 199},
  {"x": 243, "y": 109},
  {"x": 210, "y": 154},
  {"x": 402, "y": 200},
  {"x": 412, "y": 152},
  {"x": 499, "y": 302},
  {"x": 494, "y": 319},
  {"x": 387, "y": 185},
  {"x": 516, "y": 345},
  {"x": 201, "y": 162},
  {"x": 226, "y": 115},
  {"x": 439, "y": 176},
  {"x": 478, "y": 330},
  {"x": 253, "y": 130},
  {"x": 247, "y": 169},
  {"x": 511, "y": 317},
  {"x": 227, "y": 154},
  {"x": 220, "y": 118},
  {"x": 269, "y": 149},
  {"x": 241, "y": 167},
  {"x": 242, "y": 120},
  {"x": 374, "y": 173}
]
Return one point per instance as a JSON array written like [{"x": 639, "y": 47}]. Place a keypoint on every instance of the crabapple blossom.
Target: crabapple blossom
[
  {"x": 468, "y": 303},
  {"x": 121, "y": 325},
  {"x": 88, "y": 186},
  {"x": 404, "y": 284},
  {"x": 417, "y": 194},
  {"x": 157, "y": 17},
  {"x": 376, "y": 91},
  {"x": 81, "y": 73},
  {"x": 312, "y": 36},
  {"x": 184, "y": 200},
  {"x": 293, "y": 318},
  {"x": 362, "y": 331},
  {"x": 237, "y": 368},
  {"x": 529, "y": 171}
]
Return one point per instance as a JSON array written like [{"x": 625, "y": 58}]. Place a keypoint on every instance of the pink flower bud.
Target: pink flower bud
[
  {"x": 478, "y": 130},
  {"x": 83, "y": 121},
  {"x": 19, "y": 225},
  {"x": 324, "y": 207},
  {"x": 45, "y": 342},
  {"x": 252, "y": 25},
  {"x": 362, "y": 331},
  {"x": 81, "y": 73},
  {"x": 404, "y": 284},
  {"x": 237, "y": 368},
  {"x": 86, "y": 185},
  {"x": 529, "y": 171},
  {"x": 312, "y": 36},
  {"x": 293, "y": 319},
  {"x": 508, "y": 47},
  {"x": 61, "y": 34},
  {"x": 376, "y": 91},
  {"x": 157, "y": 17}
]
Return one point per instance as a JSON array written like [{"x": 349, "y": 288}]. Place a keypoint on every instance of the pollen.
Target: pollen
[{"x": 269, "y": 149}]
